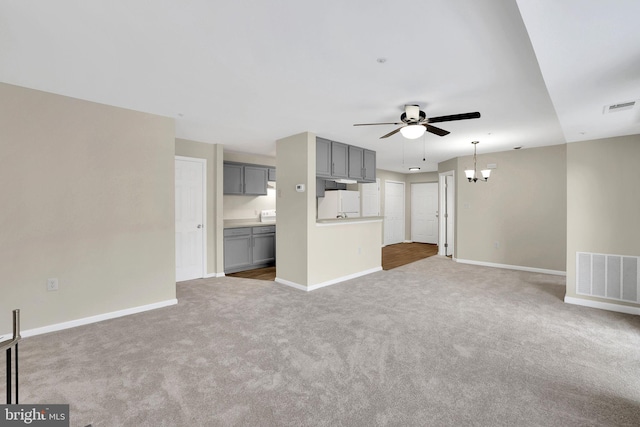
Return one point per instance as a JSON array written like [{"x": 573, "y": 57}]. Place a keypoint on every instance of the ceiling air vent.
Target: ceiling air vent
[{"x": 622, "y": 106}]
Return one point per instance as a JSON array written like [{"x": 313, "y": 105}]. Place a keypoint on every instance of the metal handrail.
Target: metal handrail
[{"x": 8, "y": 345}]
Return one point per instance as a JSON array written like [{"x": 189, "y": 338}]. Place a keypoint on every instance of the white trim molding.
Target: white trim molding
[
  {"x": 328, "y": 282},
  {"x": 97, "y": 318},
  {"x": 627, "y": 309},
  {"x": 211, "y": 275},
  {"x": 511, "y": 267}
]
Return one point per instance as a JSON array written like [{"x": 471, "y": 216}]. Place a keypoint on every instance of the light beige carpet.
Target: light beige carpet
[{"x": 433, "y": 343}]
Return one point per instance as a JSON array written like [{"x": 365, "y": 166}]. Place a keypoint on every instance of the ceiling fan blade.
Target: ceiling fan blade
[
  {"x": 437, "y": 131},
  {"x": 463, "y": 116},
  {"x": 393, "y": 132},
  {"x": 373, "y": 124}
]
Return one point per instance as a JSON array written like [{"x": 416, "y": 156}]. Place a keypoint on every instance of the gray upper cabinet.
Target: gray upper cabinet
[
  {"x": 233, "y": 179},
  {"x": 323, "y": 157},
  {"x": 239, "y": 178},
  {"x": 339, "y": 159},
  {"x": 255, "y": 180},
  {"x": 335, "y": 160},
  {"x": 369, "y": 172},
  {"x": 356, "y": 162},
  {"x": 272, "y": 174}
]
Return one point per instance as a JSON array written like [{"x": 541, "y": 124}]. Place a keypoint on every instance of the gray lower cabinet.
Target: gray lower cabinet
[
  {"x": 247, "y": 248},
  {"x": 237, "y": 249}
]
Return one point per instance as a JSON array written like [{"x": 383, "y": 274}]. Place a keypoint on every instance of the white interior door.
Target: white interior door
[
  {"x": 371, "y": 198},
  {"x": 424, "y": 212},
  {"x": 393, "y": 212},
  {"x": 190, "y": 187}
]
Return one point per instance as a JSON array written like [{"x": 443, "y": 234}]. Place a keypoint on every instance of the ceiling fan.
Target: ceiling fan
[{"x": 414, "y": 122}]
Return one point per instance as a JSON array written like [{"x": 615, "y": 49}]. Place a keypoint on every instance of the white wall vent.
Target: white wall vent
[
  {"x": 621, "y": 106},
  {"x": 615, "y": 277}
]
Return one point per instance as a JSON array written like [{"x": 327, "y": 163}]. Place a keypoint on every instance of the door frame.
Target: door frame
[
  {"x": 404, "y": 212},
  {"x": 443, "y": 190},
  {"x": 203, "y": 163}
]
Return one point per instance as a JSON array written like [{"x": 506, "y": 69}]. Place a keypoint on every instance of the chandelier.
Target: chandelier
[{"x": 472, "y": 175}]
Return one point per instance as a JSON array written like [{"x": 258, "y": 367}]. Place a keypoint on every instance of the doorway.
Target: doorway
[
  {"x": 190, "y": 182},
  {"x": 424, "y": 212},
  {"x": 393, "y": 212}
]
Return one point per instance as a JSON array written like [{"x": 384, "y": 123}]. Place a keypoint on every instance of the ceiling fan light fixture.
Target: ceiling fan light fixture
[{"x": 413, "y": 131}]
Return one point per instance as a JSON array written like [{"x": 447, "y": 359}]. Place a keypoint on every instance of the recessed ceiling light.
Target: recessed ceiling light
[{"x": 414, "y": 169}]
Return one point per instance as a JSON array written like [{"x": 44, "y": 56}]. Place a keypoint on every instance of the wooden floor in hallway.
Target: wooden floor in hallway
[{"x": 392, "y": 256}]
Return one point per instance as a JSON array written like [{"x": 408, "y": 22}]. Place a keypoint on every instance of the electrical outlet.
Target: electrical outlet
[
  {"x": 496, "y": 245},
  {"x": 52, "y": 284}
]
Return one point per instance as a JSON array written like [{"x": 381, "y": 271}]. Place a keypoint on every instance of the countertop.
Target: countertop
[
  {"x": 252, "y": 222},
  {"x": 338, "y": 221}
]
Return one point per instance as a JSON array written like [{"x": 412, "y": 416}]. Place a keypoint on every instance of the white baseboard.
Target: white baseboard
[
  {"x": 328, "y": 282},
  {"x": 603, "y": 305},
  {"x": 211, "y": 275},
  {"x": 95, "y": 319},
  {"x": 511, "y": 267}
]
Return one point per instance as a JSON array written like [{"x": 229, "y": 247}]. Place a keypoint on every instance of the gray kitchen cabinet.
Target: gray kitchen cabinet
[
  {"x": 271, "y": 174},
  {"x": 339, "y": 160},
  {"x": 233, "y": 178},
  {"x": 335, "y": 160},
  {"x": 356, "y": 162},
  {"x": 369, "y": 161},
  {"x": 245, "y": 179},
  {"x": 255, "y": 180},
  {"x": 237, "y": 249},
  {"x": 247, "y": 248},
  {"x": 264, "y": 245},
  {"x": 323, "y": 157}
]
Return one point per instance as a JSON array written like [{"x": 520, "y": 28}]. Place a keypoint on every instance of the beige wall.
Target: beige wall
[
  {"x": 295, "y": 165},
  {"x": 213, "y": 154},
  {"x": 603, "y": 201},
  {"x": 308, "y": 254},
  {"x": 87, "y": 198},
  {"x": 248, "y": 207},
  {"x": 522, "y": 207}
]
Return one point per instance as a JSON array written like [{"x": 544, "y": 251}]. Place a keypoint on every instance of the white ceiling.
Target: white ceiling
[{"x": 247, "y": 73}]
